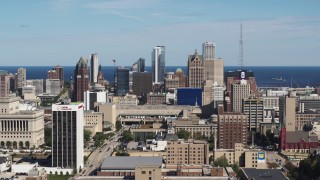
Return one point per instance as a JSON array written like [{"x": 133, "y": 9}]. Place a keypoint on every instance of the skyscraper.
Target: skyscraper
[
  {"x": 4, "y": 84},
  {"x": 60, "y": 73},
  {"x": 139, "y": 65},
  {"x": 122, "y": 81},
  {"x": 195, "y": 70},
  {"x": 21, "y": 78},
  {"x": 81, "y": 79},
  {"x": 208, "y": 50},
  {"x": 158, "y": 64},
  {"x": 67, "y": 136},
  {"x": 94, "y": 68}
]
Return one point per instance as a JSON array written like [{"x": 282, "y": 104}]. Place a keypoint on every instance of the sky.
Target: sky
[{"x": 59, "y": 32}]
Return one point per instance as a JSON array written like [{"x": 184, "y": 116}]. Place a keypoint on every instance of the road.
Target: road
[
  {"x": 95, "y": 159},
  {"x": 274, "y": 157}
]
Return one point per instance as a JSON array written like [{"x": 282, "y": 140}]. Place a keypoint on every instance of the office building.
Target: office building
[
  {"x": 20, "y": 125},
  {"x": 214, "y": 70},
  {"x": 67, "y": 136},
  {"x": 183, "y": 79},
  {"x": 38, "y": 84},
  {"x": 52, "y": 74},
  {"x": 232, "y": 128},
  {"x": 139, "y": 65},
  {"x": 53, "y": 86},
  {"x": 244, "y": 157},
  {"x": 94, "y": 68},
  {"x": 253, "y": 108},
  {"x": 122, "y": 81},
  {"x": 187, "y": 152},
  {"x": 195, "y": 70},
  {"x": 81, "y": 79},
  {"x": 91, "y": 98},
  {"x": 211, "y": 94},
  {"x": 253, "y": 173},
  {"x": 208, "y": 50},
  {"x": 141, "y": 83},
  {"x": 59, "y": 73},
  {"x": 158, "y": 64},
  {"x": 238, "y": 92},
  {"x": 20, "y": 78},
  {"x": 93, "y": 121},
  {"x": 4, "y": 84},
  {"x": 287, "y": 112}
]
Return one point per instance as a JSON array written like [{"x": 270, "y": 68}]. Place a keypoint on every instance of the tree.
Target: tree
[
  {"x": 20, "y": 144},
  {"x": 8, "y": 144},
  {"x": 118, "y": 125},
  {"x": 27, "y": 144},
  {"x": 122, "y": 153},
  {"x": 221, "y": 162},
  {"x": 48, "y": 136},
  {"x": 236, "y": 168},
  {"x": 127, "y": 136},
  {"x": 307, "y": 127},
  {"x": 14, "y": 144},
  {"x": 183, "y": 134},
  {"x": 107, "y": 129},
  {"x": 2, "y": 144},
  {"x": 86, "y": 135}
]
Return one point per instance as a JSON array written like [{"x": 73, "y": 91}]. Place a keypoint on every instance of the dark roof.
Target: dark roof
[
  {"x": 261, "y": 174},
  {"x": 296, "y": 136},
  {"x": 129, "y": 163},
  {"x": 193, "y": 57},
  {"x": 171, "y": 137}
]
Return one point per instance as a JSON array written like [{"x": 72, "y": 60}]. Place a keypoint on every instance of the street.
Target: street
[{"x": 95, "y": 159}]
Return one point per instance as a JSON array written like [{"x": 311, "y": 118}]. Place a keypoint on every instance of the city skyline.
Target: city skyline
[{"x": 40, "y": 32}]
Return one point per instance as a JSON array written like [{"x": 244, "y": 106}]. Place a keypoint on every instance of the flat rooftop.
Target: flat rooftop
[{"x": 127, "y": 163}]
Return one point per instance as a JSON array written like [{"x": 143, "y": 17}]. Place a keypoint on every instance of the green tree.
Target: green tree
[
  {"x": 307, "y": 127},
  {"x": 118, "y": 125},
  {"x": 221, "y": 162},
  {"x": 20, "y": 144},
  {"x": 127, "y": 136},
  {"x": 14, "y": 144},
  {"x": 8, "y": 144},
  {"x": 183, "y": 134},
  {"x": 27, "y": 144},
  {"x": 236, "y": 169},
  {"x": 86, "y": 135},
  {"x": 48, "y": 136},
  {"x": 122, "y": 153}
]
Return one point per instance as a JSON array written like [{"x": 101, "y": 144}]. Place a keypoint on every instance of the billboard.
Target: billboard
[{"x": 261, "y": 157}]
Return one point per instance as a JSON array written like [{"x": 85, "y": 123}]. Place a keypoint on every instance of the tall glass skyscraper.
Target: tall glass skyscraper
[
  {"x": 158, "y": 64},
  {"x": 122, "y": 81}
]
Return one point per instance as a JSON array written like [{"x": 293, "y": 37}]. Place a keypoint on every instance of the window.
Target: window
[{"x": 143, "y": 172}]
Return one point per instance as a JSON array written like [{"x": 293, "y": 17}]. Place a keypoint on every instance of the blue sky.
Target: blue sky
[{"x": 52, "y": 32}]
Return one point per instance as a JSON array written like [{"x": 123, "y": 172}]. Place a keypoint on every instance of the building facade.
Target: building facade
[
  {"x": 208, "y": 50},
  {"x": 141, "y": 83},
  {"x": 122, "y": 81},
  {"x": 195, "y": 70},
  {"x": 94, "y": 68},
  {"x": 187, "y": 152},
  {"x": 253, "y": 108},
  {"x": 287, "y": 112},
  {"x": 4, "y": 84},
  {"x": 158, "y": 64},
  {"x": 67, "y": 135},
  {"x": 81, "y": 79}
]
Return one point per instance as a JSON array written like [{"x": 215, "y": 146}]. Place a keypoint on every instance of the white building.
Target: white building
[
  {"x": 158, "y": 64},
  {"x": 67, "y": 135},
  {"x": 90, "y": 98},
  {"x": 53, "y": 86},
  {"x": 94, "y": 68},
  {"x": 208, "y": 50},
  {"x": 20, "y": 128}
]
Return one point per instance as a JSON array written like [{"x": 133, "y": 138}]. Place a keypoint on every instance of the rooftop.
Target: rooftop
[
  {"x": 125, "y": 163},
  {"x": 261, "y": 174}
]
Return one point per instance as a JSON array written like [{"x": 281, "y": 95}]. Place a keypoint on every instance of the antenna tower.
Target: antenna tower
[{"x": 240, "y": 58}]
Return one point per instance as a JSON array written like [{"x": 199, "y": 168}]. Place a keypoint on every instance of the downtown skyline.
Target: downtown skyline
[{"x": 37, "y": 33}]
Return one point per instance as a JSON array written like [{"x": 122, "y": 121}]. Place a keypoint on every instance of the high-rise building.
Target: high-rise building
[
  {"x": 253, "y": 108},
  {"x": 90, "y": 98},
  {"x": 214, "y": 70},
  {"x": 208, "y": 50},
  {"x": 38, "y": 84},
  {"x": 139, "y": 65},
  {"x": 239, "y": 92},
  {"x": 158, "y": 64},
  {"x": 4, "y": 84},
  {"x": 232, "y": 128},
  {"x": 122, "y": 81},
  {"x": 187, "y": 152},
  {"x": 195, "y": 70},
  {"x": 52, "y": 74},
  {"x": 94, "y": 68},
  {"x": 142, "y": 83},
  {"x": 20, "y": 78},
  {"x": 287, "y": 112},
  {"x": 52, "y": 86},
  {"x": 211, "y": 94},
  {"x": 81, "y": 79},
  {"x": 67, "y": 136},
  {"x": 60, "y": 73}
]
